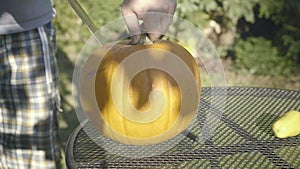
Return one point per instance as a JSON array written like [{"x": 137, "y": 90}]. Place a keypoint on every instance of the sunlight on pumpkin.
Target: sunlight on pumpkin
[
  {"x": 147, "y": 87},
  {"x": 139, "y": 92}
]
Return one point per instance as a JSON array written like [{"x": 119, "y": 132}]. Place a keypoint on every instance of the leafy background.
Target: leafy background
[{"x": 258, "y": 41}]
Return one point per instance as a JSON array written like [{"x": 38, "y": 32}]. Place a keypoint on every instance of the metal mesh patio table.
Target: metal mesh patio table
[{"x": 243, "y": 137}]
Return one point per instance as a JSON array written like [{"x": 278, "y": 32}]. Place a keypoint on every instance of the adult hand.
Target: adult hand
[{"x": 154, "y": 23}]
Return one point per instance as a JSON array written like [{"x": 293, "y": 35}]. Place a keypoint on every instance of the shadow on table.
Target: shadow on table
[{"x": 265, "y": 122}]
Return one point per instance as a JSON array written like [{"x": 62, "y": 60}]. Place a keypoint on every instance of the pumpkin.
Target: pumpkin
[{"x": 143, "y": 94}]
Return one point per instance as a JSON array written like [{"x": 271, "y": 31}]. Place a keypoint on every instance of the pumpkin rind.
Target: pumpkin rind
[{"x": 110, "y": 121}]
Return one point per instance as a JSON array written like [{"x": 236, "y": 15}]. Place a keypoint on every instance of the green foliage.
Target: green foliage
[
  {"x": 236, "y": 9},
  {"x": 286, "y": 14},
  {"x": 280, "y": 50},
  {"x": 102, "y": 12},
  {"x": 191, "y": 11},
  {"x": 283, "y": 46},
  {"x": 226, "y": 12},
  {"x": 268, "y": 8},
  {"x": 65, "y": 17},
  {"x": 288, "y": 41},
  {"x": 258, "y": 56},
  {"x": 71, "y": 32}
]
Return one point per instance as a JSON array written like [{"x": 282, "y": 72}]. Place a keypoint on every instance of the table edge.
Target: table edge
[{"x": 69, "y": 157}]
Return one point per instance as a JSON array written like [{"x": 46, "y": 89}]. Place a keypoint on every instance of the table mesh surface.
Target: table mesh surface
[{"x": 243, "y": 137}]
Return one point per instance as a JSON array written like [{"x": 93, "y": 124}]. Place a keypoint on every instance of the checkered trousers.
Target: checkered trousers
[{"x": 29, "y": 99}]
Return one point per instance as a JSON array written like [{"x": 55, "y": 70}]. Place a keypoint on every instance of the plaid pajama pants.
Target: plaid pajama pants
[{"x": 29, "y": 99}]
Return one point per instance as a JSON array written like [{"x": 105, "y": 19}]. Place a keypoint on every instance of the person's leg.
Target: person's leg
[{"x": 29, "y": 99}]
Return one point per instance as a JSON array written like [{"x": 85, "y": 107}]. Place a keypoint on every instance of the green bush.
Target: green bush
[{"x": 258, "y": 56}]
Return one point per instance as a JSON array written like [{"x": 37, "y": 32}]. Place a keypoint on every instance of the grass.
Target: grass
[{"x": 239, "y": 78}]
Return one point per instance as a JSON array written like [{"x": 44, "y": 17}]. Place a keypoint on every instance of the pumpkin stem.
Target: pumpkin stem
[{"x": 145, "y": 40}]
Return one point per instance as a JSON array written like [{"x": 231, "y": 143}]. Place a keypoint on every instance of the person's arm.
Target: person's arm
[{"x": 155, "y": 23}]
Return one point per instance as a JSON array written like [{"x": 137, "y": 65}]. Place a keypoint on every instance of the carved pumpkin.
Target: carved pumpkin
[{"x": 144, "y": 94}]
